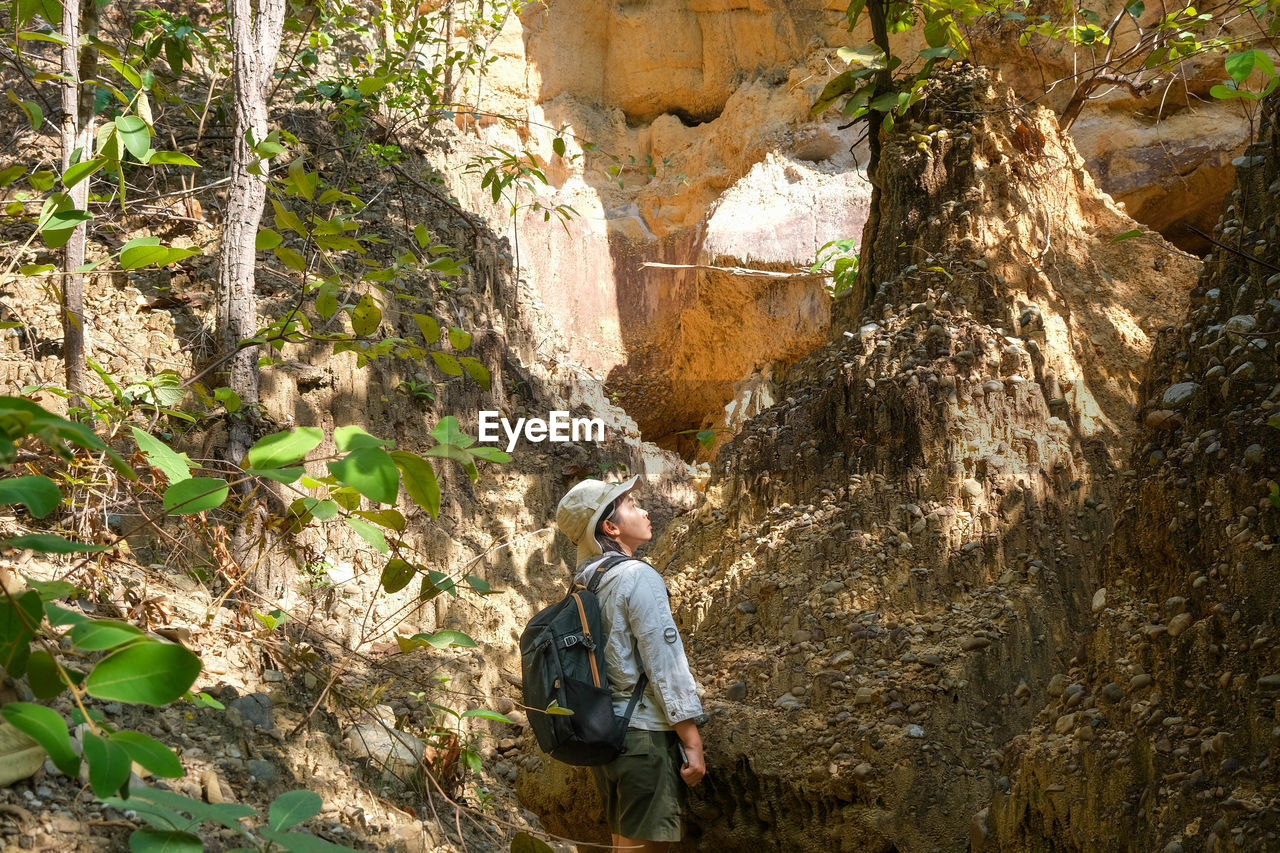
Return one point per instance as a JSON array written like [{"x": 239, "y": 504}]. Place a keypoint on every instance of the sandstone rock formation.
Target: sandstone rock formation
[
  {"x": 1165, "y": 735},
  {"x": 674, "y": 111},
  {"x": 891, "y": 564}
]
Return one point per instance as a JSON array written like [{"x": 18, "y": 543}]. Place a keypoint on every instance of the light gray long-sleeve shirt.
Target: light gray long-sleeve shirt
[{"x": 643, "y": 638}]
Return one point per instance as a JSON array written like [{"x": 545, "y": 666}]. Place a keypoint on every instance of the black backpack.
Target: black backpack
[{"x": 562, "y": 661}]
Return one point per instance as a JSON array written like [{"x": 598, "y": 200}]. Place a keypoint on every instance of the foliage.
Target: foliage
[
  {"x": 842, "y": 256},
  {"x": 58, "y": 649},
  {"x": 1134, "y": 49}
]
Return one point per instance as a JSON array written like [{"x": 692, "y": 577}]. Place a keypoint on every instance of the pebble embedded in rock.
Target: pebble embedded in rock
[
  {"x": 970, "y": 644},
  {"x": 264, "y": 771},
  {"x": 787, "y": 702},
  {"x": 1178, "y": 395},
  {"x": 256, "y": 709},
  {"x": 1179, "y": 623},
  {"x": 915, "y": 731},
  {"x": 1100, "y": 600},
  {"x": 737, "y": 691}
]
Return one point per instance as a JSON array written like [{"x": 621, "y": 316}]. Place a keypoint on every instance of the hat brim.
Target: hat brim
[{"x": 589, "y": 547}]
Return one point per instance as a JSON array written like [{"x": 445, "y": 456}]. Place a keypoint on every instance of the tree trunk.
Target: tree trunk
[
  {"x": 77, "y": 132},
  {"x": 864, "y": 290},
  {"x": 255, "y": 36}
]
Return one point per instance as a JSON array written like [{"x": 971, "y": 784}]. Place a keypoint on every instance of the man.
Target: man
[{"x": 642, "y": 789}]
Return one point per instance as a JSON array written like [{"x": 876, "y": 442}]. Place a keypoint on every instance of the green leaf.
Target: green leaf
[
  {"x": 49, "y": 543},
  {"x": 447, "y": 363},
  {"x": 47, "y": 728},
  {"x": 267, "y": 239},
  {"x": 36, "y": 269},
  {"x": 51, "y": 590},
  {"x": 150, "y": 753},
  {"x": 37, "y": 493},
  {"x": 477, "y": 371},
  {"x": 327, "y": 298},
  {"x": 366, "y": 316},
  {"x": 19, "y": 618},
  {"x": 348, "y": 438},
  {"x": 152, "y": 840},
  {"x": 458, "y": 339},
  {"x": 150, "y": 673},
  {"x": 445, "y": 639},
  {"x": 108, "y": 764},
  {"x": 59, "y": 226},
  {"x": 60, "y": 617},
  {"x": 428, "y": 326},
  {"x": 226, "y": 814},
  {"x": 301, "y": 842},
  {"x": 345, "y": 497},
  {"x": 1222, "y": 93},
  {"x": 555, "y": 710},
  {"x": 42, "y": 181},
  {"x": 391, "y": 519},
  {"x": 17, "y": 170},
  {"x": 369, "y": 533},
  {"x": 134, "y": 133},
  {"x": 526, "y": 843},
  {"x": 447, "y": 431},
  {"x": 286, "y": 218},
  {"x": 284, "y": 448},
  {"x": 144, "y": 251},
  {"x": 286, "y": 476},
  {"x": 43, "y": 675},
  {"x": 457, "y": 454},
  {"x": 77, "y": 173},
  {"x": 867, "y": 55},
  {"x": 557, "y": 145},
  {"x": 176, "y": 467},
  {"x": 419, "y": 480},
  {"x": 101, "y": 634},
  {"x": 1127, "y": 235},
  {"x": 480, "y": 585},
  {"x": 371, "y": 472},
  {"x": 171, "y": 158},
  {"x": 229, "y": 399},
  {"x": 195, "y": 495},
  {"x": 490, "y": 454},
  {"x": 292, "y": 808},
  {"x": 321, "y": 509},
  {"x": 396, "y": 575},
  {"x": 485, "y": 714},
  {"x": 290, "y": 258}
]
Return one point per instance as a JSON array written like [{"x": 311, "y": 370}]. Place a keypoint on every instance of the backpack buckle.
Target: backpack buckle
[{"x": 571, "y": 640}]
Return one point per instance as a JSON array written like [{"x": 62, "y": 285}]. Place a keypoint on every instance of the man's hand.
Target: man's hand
[{"x": 694, "y": 767}]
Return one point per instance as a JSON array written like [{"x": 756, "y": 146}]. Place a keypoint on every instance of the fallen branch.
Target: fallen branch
[{"x": 739, "y": 270}]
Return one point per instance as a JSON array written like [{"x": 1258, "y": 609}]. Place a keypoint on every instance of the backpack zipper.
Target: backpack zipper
[{"x": 590, "y": 643}]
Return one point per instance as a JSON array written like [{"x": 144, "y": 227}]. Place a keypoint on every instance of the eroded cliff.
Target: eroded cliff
[{"x": 893, "y": 562}]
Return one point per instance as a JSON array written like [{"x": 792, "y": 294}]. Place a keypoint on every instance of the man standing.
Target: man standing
[{"x": 642, "y": 789}]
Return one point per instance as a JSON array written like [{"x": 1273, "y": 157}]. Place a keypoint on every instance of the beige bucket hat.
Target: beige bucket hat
[{"x": 580, "y": 510}]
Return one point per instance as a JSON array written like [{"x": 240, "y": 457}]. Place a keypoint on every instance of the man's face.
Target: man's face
[{"x": 629, "y": 524}]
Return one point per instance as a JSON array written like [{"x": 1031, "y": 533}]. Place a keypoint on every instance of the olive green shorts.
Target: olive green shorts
[{"x": 642, "y": 790}]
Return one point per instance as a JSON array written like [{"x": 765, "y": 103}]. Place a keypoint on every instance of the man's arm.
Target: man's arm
[{"x": 695, "y": 765}]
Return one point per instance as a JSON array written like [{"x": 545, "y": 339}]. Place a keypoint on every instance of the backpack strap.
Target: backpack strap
[
  {"x": 605, "y": 565},
  {"x": 643, "y": 681}
]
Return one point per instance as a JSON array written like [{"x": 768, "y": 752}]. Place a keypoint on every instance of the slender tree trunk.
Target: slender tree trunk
[
  {"x": 256, "y": 31},
  {"x": 78, "y": 64},
  {"x": 865, "y": 287}
]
